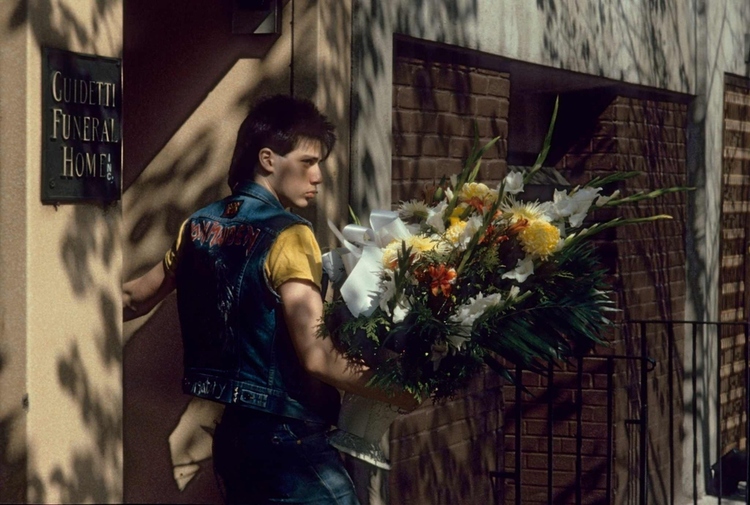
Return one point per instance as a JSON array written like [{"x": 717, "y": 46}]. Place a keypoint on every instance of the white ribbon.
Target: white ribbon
[{"x": 362, "y": 259}]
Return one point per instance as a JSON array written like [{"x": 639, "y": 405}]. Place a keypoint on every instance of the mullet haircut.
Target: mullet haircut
[{"x": 280, "y": 123}]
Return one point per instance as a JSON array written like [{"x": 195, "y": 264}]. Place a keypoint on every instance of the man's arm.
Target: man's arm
[
  {"x": 141, "y": 295},
  {"x": 303, "y": 310}
]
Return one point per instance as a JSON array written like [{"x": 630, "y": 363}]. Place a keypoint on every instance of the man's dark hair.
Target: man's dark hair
[{"x": 279, "y": 123}]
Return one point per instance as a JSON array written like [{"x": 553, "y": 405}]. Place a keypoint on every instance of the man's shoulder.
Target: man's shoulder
[{"x": 245, "y": 208}]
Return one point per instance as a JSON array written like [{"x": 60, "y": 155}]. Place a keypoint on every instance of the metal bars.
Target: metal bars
[{"x": 672, "y": 361}]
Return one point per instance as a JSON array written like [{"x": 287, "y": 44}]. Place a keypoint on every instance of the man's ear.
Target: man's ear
[{"x": 266, "y": 160}]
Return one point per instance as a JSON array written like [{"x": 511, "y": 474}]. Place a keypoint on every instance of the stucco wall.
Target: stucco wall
[{"x": 61, "y": 292}]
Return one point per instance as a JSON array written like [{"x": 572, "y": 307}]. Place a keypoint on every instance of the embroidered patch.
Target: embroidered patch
[{"x": 232, "y": 209}]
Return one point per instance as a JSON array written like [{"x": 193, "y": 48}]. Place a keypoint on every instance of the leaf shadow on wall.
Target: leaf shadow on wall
[
  {"x": 17, "y": 485},
  {"x": 57, "y": 24}
]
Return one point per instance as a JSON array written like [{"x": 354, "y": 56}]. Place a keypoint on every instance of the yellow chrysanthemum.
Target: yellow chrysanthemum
[
  {"x": 417, "y": 243},
  {"x": 453, "y": 233},
  {"x": 532, "y": 211},
  {"x": 539, "y": 238}
]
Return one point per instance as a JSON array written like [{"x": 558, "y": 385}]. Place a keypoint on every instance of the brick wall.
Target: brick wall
[
  {"x": 735, "y": 222},
  {"x": 535, "y": 407},
  {"x": 442, "y": 455},
  {"x": 647, "y": 265},
  {"x": 436, "y": 108}
]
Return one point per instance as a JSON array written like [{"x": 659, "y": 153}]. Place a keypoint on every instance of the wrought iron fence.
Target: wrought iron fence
[{"x": 700, "y": 335}]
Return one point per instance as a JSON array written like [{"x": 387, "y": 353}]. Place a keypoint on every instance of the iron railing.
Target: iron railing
[{"x": 645, "y": 365}]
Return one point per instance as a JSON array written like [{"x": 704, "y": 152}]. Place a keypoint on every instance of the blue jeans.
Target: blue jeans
[{"x": 260, "y": 458}]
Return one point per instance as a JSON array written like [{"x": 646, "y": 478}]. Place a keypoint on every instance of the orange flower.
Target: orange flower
[
  {"x": 476, "y": 202},
  {"x": 518, "y": 227},
  {"x": 492, "y": 232},
  {"x": 442, "y": 279}
]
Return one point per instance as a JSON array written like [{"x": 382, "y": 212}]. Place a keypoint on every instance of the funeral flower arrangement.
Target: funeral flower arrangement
[{"x": 434, "y": 290}]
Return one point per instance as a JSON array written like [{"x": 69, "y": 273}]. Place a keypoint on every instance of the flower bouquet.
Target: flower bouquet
[{"x": 435, "y": 290}]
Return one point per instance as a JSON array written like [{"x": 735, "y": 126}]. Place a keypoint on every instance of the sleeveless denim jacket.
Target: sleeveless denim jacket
[{"x": 237, "y": 348}]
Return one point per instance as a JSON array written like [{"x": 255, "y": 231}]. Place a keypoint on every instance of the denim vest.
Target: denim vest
[{"x": 237, "y": 348}]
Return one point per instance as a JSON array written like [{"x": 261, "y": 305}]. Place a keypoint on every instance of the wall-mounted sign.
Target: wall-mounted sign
[{"x": 82, "y": 127}]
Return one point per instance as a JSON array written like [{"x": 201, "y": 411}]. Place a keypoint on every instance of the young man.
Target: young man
[{"x": 248, "y": 274}]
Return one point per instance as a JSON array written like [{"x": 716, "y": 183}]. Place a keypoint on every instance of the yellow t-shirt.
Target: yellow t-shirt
[{"x": 294, "y": 255}]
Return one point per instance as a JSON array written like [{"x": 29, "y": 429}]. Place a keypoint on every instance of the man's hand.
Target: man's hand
[{"x": 141, "y": 295}]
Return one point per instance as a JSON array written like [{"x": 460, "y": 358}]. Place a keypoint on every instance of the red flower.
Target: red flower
[{"x": 442, "y": 279}]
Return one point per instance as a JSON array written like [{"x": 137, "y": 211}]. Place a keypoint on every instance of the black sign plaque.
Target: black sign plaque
[{"x": 82, "y": 128}]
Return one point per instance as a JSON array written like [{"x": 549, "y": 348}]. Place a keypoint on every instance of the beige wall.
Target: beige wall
[{"x": 60, "y": 284}]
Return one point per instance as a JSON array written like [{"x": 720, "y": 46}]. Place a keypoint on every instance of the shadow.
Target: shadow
[
  {"x": 550, "y": 442},
  {"x": 89, "y": 244},
  {"x": 647, "y": 270},
  {"x": 153, "y": 404},
  {"x": 646, "y": 28},
  {"x": 443, "y": 454},
  {"x": 163, "y": 87},
  {"x": 17, "y": 484},
  {"x": 577, "y": 35},
  {"x": 734, "y": 275},
  {"x": 617, "y": 133},
  {"x": 373, "y": 26},
  {"x": 58, "y": 25}
]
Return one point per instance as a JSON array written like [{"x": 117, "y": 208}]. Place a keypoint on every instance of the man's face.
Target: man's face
[{"x": 297, "y": 175}]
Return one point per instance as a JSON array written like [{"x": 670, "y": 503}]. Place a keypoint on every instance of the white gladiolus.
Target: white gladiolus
[
  {"x": 524, "y": 268},
  {"x": 514, "y": 183},
  {"x": 473, "y": 224},
  {"x": 399, "y": 313},
  {"x": 573, "y": 206},
  {"x": 457, "y": 341},
  {"x": 513, "y": 292},
  {"x": 471, "y": 311},
  {"x": 435, "y": 216},
  {"x": 387, "y": 291},
  {"x": 604, "y": 199}
]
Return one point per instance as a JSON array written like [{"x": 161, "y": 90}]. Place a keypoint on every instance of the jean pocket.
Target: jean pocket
[{"x": 305, "y": 433}]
